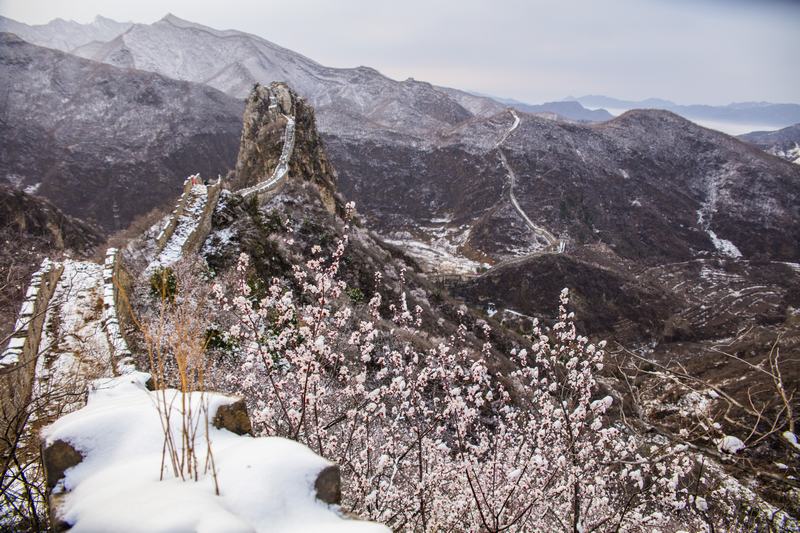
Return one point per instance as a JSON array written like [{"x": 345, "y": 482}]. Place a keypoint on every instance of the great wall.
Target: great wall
[{"x": 71, "y": 305}]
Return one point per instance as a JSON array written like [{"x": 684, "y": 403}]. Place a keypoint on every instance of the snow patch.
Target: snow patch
[
  {"x": 723, "y": 246},
  {"x": 791, "y": 438},
  {"x": 730, "y": 444},
  {"x": 266, "y": 484}
]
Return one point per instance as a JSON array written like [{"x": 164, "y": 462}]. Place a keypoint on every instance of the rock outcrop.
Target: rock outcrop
[{"x": 271, "y": 114}]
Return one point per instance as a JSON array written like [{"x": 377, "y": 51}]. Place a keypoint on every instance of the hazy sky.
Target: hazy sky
[{"x": 690, "y": 51}]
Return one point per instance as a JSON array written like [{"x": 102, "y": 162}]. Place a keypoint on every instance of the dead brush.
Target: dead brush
[{"x": 174, "y": 334}]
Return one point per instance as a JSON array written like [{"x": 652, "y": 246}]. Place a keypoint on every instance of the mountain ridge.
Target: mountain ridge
[
  {"x": 143, "y": 133},
  {"x": 766, "y": 113}
]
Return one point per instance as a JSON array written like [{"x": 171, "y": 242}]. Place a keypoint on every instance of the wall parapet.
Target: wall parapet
[
  {"x": 23, "y": 346},
  {"x": 120, "y": 353},
  {"x": 169, "y": 228}
]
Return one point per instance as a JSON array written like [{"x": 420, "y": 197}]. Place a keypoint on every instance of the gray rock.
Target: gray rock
[
  {"x": 234, "y": 418},
  {"x": 57, "y": 457},
  {"x": 329, "y": 485}
]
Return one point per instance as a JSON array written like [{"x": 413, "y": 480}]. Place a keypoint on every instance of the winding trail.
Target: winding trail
[{"x": 553, "y": 244}]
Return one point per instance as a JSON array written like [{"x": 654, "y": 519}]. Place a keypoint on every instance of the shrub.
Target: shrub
[
  {"x": 431, "y": 439},
  {"x": 356, "y": 295},
  {"x": 164, "y": 284}
]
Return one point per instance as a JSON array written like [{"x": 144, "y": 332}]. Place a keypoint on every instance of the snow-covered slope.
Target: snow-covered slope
[
  {"x": 784, "y": 143},
  {"x": 103, "y": 143},
  {"x": 65, "y": 35},
  {"x": 265, "y": 484},
  {"x": 233, "y": 61}
]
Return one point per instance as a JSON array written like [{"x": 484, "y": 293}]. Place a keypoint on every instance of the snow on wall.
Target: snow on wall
[
  {"x": 203, "y": 227},
  {"x": 169, "y": 227},
  {"x": 33, "y": 307},
  {"x": 120, "y": 353},
  {"x": 191, "y": 217},
  {"x": 74, "y": 348},
  {"x": 266, "y": 484},
  {"x": 282, "y": 168}
]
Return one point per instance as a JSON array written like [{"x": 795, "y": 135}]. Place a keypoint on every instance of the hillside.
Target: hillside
[
  {"x": 31, "y": 229},
  {"x": 122, "y": 155},
  {"x": 784, "y": 143},
  {"x": 650, "y": 185},
  {"x": 231, "y": 61}
]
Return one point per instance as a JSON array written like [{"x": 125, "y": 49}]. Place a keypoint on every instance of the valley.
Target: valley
[{"x": 325, "y": 233}]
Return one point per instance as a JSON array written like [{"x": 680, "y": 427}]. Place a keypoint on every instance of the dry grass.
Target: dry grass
[{"x": 175, "y": 342}]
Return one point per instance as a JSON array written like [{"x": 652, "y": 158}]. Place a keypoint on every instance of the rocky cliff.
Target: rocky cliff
[{"x": 268, "y": 111}]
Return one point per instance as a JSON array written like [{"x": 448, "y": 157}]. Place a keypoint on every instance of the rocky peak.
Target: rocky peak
[
  {"x": 268, "y": 111},
  {"x": 169, "y": 18}
]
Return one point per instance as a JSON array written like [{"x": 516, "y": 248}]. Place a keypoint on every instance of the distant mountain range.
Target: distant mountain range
[
  {"x": 350, "y": 100},
  {"x": 734, "y": 119},
  {"x": 570, "y": 110},
  {"x": 761, "y": 113},
  {"x": 65, "y": 35}
]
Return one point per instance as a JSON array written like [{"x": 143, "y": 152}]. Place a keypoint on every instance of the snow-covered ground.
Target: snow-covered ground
[
  {"x": 437, "y": 258},
  {"x": 792, "y": 154},
  {"x": 74, "y": 347},
  {"x": 265, "y": 484},
  {"x": 723, "y": 246},
  {"x": 187, "y": 223}
]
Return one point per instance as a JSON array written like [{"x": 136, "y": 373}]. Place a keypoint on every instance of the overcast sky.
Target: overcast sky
[{"x": 689, "y": 51}]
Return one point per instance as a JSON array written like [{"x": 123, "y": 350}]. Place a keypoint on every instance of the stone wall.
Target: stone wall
[
  {"x": 23, "y": 346},
  {"x": 203, "y": 228},
  {"x": 19, "y": 359},
  {"x": 172, "y": 223},
  {"x": 120, "y": 353},
  {"x": 276, "y": 179}
]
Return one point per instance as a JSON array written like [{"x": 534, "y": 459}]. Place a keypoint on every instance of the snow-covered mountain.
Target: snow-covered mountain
[
  {"x": 65, "y": 35},
  {"x": 102, "y": 143},
  {"x": 649, "y": 185},
  {"x": 784, "y": 143},
  {"x": 352, "y": 99}
]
